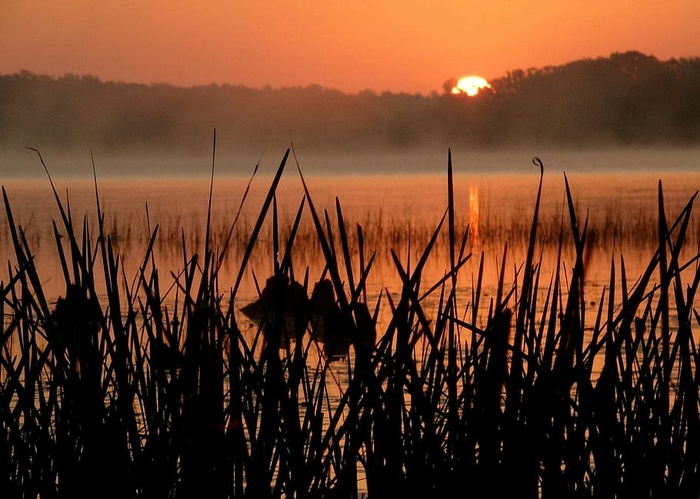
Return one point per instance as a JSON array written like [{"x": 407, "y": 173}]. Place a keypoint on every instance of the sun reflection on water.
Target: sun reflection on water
[{"x": 474, "y": 237}]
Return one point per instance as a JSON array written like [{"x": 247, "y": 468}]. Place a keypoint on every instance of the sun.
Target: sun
[{"x": 470, "y": 85}]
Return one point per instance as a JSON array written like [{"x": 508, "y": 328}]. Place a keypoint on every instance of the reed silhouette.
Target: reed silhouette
[{"x": 147, "y": 387}]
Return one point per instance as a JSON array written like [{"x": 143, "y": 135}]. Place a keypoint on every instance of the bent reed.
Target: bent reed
[{"x": 145, "y": 386}]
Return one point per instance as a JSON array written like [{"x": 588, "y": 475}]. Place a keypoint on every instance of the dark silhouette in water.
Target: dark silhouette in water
[
  {"x": 73, "y": 327},
  {"x": 335, "y": 329},
  {"x": 284, "y": 311},
  {"x": 276, "y": 287},
  {"x": 327, "y": 325},
  {"x": 281, "y": 309}
]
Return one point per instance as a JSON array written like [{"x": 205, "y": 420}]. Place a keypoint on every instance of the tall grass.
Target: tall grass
[{"x": 145, "y": 385}]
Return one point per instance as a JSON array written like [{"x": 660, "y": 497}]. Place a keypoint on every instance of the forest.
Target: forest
[{"x": 626, "y": 99}]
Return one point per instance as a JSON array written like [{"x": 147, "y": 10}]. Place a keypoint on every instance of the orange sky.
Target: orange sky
[{"x": 398, "y": 46}]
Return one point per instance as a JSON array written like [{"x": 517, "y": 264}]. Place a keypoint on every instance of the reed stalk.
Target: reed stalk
[{"x": 148, "y": 386}]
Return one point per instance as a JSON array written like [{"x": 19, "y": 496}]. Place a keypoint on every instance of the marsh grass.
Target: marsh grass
[{"x": 145, "y": 385}]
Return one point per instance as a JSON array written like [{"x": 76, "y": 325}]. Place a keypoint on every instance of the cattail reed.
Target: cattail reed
[{"x": 148, "y": 385}]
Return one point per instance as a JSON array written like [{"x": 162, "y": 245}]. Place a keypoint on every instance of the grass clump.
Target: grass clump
[{"x": 146, "y": 386}]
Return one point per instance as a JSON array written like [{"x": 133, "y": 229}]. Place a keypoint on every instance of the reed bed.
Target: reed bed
[{"x": 146, "y": 386}]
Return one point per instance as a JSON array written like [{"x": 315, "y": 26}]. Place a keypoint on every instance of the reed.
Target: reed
[{"x": 147, "y": 385}]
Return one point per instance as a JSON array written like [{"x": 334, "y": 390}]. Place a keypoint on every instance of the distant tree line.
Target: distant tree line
[{"x": 628, "y": 98}]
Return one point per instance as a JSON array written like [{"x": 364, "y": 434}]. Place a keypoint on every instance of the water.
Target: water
[
  {"x": 397, "y": 208},
  {"x": 398, "y": 204}
]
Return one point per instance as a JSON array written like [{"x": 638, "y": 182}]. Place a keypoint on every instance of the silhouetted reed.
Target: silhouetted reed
[{"x": 147, "y": 386}]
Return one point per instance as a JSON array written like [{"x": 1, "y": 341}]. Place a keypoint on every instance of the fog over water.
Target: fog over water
[{"x": 24, "y": 163}]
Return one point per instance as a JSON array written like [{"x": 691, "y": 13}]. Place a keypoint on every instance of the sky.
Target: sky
[{"x": 410, "y": 46}]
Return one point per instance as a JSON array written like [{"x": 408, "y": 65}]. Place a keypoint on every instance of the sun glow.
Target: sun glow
[
  {"x": 474, "y": 236},
  {"x": 470, "y": 85}
]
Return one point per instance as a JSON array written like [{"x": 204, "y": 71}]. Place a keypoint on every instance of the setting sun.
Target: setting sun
[{"x": 470, "y": 85}]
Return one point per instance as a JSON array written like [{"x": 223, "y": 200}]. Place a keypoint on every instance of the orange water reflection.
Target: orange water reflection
[
  {"x": 397, "y": 213},
  {"x": 474, "y": 237}
]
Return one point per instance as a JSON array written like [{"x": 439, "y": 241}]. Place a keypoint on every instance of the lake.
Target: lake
[
  {"x": 397, "y": 200},
  {"x": 195, "y": 380}
]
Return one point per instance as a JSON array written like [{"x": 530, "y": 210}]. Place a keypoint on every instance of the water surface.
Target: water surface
[{"x": 396, "y": 208}]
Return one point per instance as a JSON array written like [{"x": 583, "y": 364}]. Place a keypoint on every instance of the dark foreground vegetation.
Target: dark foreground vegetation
[
  {"x": 625, "y": 99},
  {"x": 145, "y": 386}
]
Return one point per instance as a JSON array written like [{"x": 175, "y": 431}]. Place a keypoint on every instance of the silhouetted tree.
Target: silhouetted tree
[{"x": 627, "y": 98}]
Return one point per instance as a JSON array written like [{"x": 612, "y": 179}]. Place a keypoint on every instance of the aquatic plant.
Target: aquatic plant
[{"x": 147, "y": 386}]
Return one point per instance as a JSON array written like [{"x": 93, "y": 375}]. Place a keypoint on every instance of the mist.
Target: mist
[{"x": 627, "y": 102}]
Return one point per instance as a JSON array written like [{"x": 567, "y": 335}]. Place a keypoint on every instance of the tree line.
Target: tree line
[{"x": 625, "y": 99}]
